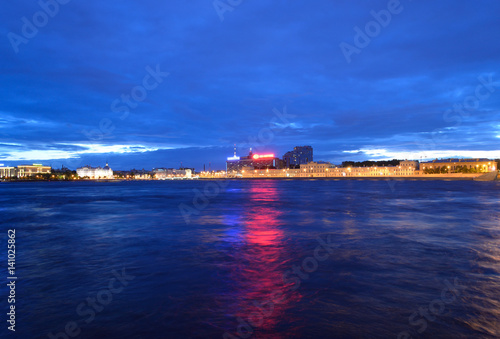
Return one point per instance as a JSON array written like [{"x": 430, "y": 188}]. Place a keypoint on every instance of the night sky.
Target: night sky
[{"x": 148, "y": 84}]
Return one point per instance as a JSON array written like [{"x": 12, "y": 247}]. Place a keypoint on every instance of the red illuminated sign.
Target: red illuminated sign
[{"x": 258, "y": 156}]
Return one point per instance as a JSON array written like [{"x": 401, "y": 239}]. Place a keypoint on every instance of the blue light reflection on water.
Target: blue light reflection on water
[{"x": 394, "y": 250}]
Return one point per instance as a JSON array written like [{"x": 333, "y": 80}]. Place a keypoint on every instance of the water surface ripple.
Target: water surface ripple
[{"x": 406, "y": 258}]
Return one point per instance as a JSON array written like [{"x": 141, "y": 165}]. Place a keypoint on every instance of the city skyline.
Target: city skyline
[
  {"x": 302, "y": 155},
  {"x": 176, "y": 84}
]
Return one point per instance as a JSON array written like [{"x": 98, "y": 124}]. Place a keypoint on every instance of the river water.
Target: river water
[{"x": 254, "y": 259}]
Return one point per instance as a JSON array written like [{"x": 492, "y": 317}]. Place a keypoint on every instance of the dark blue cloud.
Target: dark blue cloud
[{"x": 226, "y": 78}]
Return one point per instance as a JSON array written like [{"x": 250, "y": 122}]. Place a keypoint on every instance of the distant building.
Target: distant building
[
  {"x": 235, "y": 164},
  {"x": 322, "y": 169},
  {"x": 32, "y": 170},
  {"x": 300, "y": 155},
  {"x": 409, "y": 165},
  {"x": 188, "y": 168},
  {"x": 142, "y": 176},
  {"x": 248, "y": 172},
  {"x": 7, "y": 171},
  {"x": 171, "y": 173},
  {"x": 95, "y": 172}
]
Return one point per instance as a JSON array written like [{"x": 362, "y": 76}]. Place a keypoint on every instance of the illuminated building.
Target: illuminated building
[
  {"x": 95, "y": 172},
  {"x": 235, "y": 164},
  {"x": 142, "y": 176},
  {"x": 322, "y": 169},
  {"x": 7, "y": 171},
  {"x": 171, "y": 173},
  {"x": 250, "y": 172},
  {"x": 32, "y": 170},
  {"x": 300, "y": 155},
  {"x": 405, "y": 168},
  {"x": 211, "y": 174}
]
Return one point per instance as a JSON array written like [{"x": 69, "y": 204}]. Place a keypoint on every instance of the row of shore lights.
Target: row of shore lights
[
  {"x": 267, "y": 170},
  {"x": 212, "y": 173},
  {"x": 348, "y": 168}
]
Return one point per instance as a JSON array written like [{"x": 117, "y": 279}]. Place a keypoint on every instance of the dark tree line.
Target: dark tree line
[{"x": 458, "y": 169}]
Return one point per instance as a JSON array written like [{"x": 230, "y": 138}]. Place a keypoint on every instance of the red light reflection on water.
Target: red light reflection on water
[{"x": 262, "y": 298}]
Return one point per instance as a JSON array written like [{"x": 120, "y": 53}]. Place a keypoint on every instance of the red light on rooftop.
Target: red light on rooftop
[{"x": 258, "y": 156}]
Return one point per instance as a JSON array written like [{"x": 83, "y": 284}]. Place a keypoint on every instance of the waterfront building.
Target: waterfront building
[
  {"x": 409, "y": 165},
  {"x": 322, "y": 169},
  {"x": 212, "y": 174},
  {"x": 250, "y": 172},
  {"x": 7, "y": 171},
  {"x": 235, "y": 164},
  {"x": 23, "y": 171},
  {"x": 459, "y": 166},
  {"x": 300, "y": 155},
  {"x": 371, "y": 171},
  {"x": 316, "y": 169},
  {"x": 171, "y": 173},
  {"x": 95, "y": 172},
  {"x": 142, "y": 176}
]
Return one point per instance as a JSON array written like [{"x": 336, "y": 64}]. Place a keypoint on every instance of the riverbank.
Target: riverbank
[
  {"x": 349, "y": 178},
  {"x": 453, "y": 176}
]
